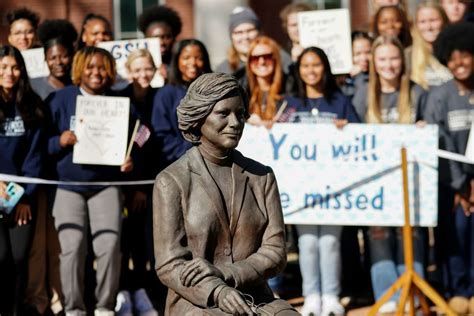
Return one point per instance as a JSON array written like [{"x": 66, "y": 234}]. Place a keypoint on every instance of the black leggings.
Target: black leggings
[{"x": 14, "y": 249}]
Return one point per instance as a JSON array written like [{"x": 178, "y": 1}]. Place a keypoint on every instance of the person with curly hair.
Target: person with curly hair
[
  {"x": 23, "y": 24},
  {"x": 95, "y": 29},
  {"x": 44, "y": 285},
  {"x": 451, "y": 106},
  {"x": 57, "y": 37},
  {"x": 164, "y": 23}
]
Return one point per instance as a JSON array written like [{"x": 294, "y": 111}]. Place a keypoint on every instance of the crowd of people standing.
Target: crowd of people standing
[{"x": 408, "y": 69}]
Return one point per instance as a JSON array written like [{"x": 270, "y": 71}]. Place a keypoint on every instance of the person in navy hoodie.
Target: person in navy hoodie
[
  {"x": 21, "y": 135},
  {"x": 80, "y": 208},
  {"x": 189, "y": 61},
  {"x": 319, "y": 100},
  {"x": 137, "y": 225}
]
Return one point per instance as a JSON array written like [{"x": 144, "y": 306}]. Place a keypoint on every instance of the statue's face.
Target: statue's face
[{"x": 223, "y": 127}]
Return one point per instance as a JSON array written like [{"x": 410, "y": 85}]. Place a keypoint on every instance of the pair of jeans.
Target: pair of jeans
[
  {"x": 455, "y": 243},
  {"x": 386, "y": 252},
  {"x": 320, "y": 259}
]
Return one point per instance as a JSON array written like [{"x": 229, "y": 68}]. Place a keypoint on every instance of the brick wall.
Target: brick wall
[
  {"x": 73, "y": 10},
  {"x": 360, "y": 15},
  {"x": 186, "y": 11}
]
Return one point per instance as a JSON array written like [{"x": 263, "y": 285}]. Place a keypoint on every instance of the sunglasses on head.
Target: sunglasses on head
[{"x": 266, "y": 58}]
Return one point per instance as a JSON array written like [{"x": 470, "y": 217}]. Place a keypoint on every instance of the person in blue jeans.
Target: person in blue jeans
[
  {"x": 451, "y": 107},
  {"x": 389, "y": 97},
  {"x": 319, "y": 100}
]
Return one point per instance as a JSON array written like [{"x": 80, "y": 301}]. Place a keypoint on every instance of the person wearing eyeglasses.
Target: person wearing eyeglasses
[
  {"x": 244, "y": 27},
  {"x": 23, "y": 24}
]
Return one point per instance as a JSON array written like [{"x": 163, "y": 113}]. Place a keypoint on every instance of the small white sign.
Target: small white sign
[
  {"x": 121, "y": 49},
  {"x": 329, "y": 30},
  {"x": 35, "y": 62},
  {"x": 101, "y": 130}
]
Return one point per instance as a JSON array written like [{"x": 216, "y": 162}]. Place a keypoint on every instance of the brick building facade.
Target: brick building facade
[{"x": 190, "y": 11}]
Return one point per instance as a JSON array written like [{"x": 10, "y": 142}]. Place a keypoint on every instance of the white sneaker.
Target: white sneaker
[
  {"x": 312, "y": 305},
  {"x": 103, "y": 312},
  {"x": 331, "y": 306},
  {"x": 124, "y": 304},
  {"x": 388, "y": 308},
  {"x": 143, "y": 304}
]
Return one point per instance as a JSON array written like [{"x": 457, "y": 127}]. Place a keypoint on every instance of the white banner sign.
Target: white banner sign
[
  {"x": 329, "y": 30},
  {"x": 101, "y": 130},
  {"x": 121, "y": 49},
  {"x": 352, "y": 176},
  {"x": 35, "y": 62}
]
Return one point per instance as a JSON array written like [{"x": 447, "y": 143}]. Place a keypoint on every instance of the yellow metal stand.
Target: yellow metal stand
[{"x": 410, "y": 282}]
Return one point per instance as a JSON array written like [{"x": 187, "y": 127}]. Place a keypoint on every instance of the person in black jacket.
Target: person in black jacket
[{"x": 21, "y": 140}]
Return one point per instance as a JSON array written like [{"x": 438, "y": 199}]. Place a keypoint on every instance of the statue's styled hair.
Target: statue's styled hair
[{"x": 200, "y": 99}]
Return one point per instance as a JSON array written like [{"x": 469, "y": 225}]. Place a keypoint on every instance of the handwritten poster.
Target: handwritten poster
[
  {"x": 35, "y": 62},
  {"x": 352, "y": 176},
  {"x": 101, "y": 129},
  {"x": 329, "y": 30},
  {"x": 121, "y": 49}
]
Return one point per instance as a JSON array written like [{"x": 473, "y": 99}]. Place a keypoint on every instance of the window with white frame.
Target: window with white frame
[{"x": 126, "y": 13}]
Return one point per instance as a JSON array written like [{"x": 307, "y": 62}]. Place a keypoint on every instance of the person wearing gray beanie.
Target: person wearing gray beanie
[
  {"x": 242, "y": 15},
  {"x": 244, "y": 27}
]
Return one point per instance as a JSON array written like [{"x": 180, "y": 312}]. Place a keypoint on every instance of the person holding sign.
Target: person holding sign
[
  {"x": 137, "y": 230},
  {"x": 392, "y": 21},
  {"x": 389, "y": 97},
  {"x": 162, "y": 22},
  {"x": 289, "y": 19},
  {"x": 57, "y": 37},
  {"x": 426, "y": 70},
  {"x": 451, "y": 107},
  {"x": 217, "y": 219},
  {"x": 23, "y": 24},
  {"x": 189, "y": 62},
  {"x": 265, "y": 78},
  {"x": 361, "y": 53},
  {"x": 80, "y": 208},
  {"x": 21, "y": 148},
  {"x": 319, "y": 100}
]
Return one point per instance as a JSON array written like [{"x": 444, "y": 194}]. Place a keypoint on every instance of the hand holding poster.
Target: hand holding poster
[
  {"x": 328, "y": 176},
  {"x": 101, "y": 130},
  {"x": 470, "y": 144},
  {"x": 35, "y": 62},
  {"x": 121, "y": 49},
  {"x": 329, "y": 30}
]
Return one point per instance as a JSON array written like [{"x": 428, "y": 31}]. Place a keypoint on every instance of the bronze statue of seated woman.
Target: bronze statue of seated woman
[{"x": 217, "y": 219}]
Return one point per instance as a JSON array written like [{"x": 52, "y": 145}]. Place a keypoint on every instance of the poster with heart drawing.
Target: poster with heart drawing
[{"x": 101, "y": 130}]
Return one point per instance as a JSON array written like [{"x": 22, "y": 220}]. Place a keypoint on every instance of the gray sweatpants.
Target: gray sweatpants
[{"x": 74, "y": 213}]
